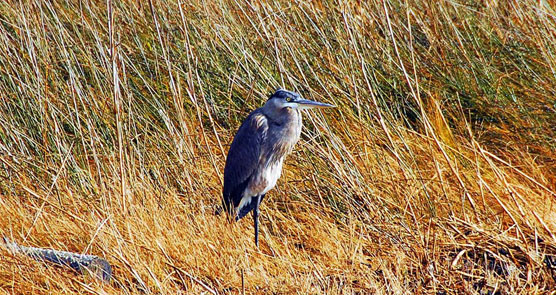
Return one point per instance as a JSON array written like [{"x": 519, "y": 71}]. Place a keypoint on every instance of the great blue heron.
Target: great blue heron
[{"x": 255, "y": 158}]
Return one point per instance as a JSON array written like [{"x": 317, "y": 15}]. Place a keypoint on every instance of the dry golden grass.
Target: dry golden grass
[{"x": 435, "y": 175}]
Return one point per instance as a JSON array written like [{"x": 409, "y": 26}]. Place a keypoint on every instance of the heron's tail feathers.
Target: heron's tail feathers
[
  {"x": 245, "y": 210},
  {"x": 248, "y": 208}
]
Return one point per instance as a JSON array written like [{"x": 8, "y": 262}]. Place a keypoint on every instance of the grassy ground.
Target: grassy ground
[{"x": 435, "y": 174}]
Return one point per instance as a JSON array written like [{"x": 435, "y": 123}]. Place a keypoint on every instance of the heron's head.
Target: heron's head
[{"x": 289, "y": 99}]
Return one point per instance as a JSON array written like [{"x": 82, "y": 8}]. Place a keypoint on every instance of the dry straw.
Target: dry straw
[{"x": 435, "y": 175}]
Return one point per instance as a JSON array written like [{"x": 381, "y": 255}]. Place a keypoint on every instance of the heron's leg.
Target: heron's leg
[{"x": 256, "y": 219}]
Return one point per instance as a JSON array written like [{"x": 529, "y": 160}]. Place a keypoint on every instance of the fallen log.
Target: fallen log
[{"x": 85, "y": 264}]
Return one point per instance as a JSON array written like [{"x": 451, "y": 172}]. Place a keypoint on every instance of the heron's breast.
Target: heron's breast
[{"x": 265, "y": 178}]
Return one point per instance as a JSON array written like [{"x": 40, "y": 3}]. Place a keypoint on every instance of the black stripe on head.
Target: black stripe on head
[{"x": 283, "y": 94}]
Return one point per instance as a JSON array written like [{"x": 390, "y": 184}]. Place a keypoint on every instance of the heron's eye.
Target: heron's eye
[{"x": 289, "y": 99}]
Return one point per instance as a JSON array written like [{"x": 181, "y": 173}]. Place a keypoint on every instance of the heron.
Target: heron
[{"x": 255, "y": 158}]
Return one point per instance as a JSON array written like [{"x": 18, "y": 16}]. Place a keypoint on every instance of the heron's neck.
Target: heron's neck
[
  {"x": 284, "y": 132},
  {"x": 284, "y": 116}
]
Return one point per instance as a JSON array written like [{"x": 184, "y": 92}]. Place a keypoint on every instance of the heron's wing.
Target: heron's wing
[{"x": 243, "y": 158}]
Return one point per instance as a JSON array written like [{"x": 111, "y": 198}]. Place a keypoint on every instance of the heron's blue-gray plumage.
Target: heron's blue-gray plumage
[
  {"x": 254, "y": 161},
  {"x": 243, "y": 159},
  {"x": 255, "y": 158}
]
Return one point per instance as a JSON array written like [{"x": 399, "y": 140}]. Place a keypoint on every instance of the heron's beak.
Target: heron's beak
[{"x": 309, "y": 104}]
